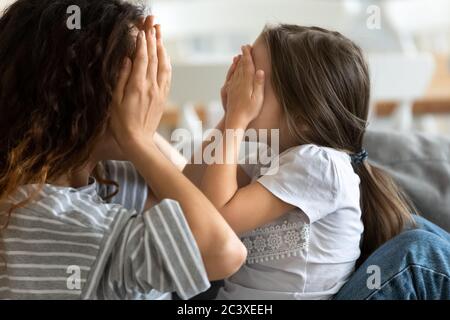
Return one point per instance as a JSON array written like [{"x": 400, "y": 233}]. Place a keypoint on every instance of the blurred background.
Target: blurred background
[{"x": 407, "y": 43}]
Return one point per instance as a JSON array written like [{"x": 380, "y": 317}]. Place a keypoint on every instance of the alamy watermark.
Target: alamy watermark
[
  {"x": 73, "y": 21},
  {"x": 374, "y": 280},
  {"x": 73, "y": 281},
  {"x": 373, "y": 21},
  {"x": 259, "y": 147}
]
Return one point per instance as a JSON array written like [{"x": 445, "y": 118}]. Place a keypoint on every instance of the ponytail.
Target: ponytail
[{"x": 385, "y": 208}]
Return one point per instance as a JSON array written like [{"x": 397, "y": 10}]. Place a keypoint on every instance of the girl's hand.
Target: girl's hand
[
  {"x": 142, "y": 89},
  {"x": 245, "y": 91},
  {"x": 224, "y": 90}
]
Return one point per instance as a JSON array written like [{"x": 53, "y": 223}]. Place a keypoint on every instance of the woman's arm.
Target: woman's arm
[
  {"x": 222, "y": 251},
  {"x": 170, "y": 152},
  {"x": 137, "y": 108}
]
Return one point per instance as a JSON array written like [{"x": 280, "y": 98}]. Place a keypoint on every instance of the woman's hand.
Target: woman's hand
[
  {"x": 137, "y": 108},
  {"x": 142, "y": 89},
  {"x": 245, "y": 91}
]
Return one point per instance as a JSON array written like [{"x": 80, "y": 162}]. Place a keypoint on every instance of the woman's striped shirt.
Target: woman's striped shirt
[{"x": 70, "y": 244}]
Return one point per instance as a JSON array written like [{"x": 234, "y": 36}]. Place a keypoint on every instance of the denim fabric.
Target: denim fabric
[{"x": 414, "y": 265}]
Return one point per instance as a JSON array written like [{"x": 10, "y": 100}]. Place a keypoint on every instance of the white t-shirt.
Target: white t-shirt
[{"x": 310, "y": 252}]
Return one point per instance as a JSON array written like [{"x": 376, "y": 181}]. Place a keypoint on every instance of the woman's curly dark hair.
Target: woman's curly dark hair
[{"x": 56, "y": 84}]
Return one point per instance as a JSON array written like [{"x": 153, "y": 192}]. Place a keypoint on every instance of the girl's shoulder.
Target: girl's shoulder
[
  {"x": 309, "y": 158},
  {"x": 315, "y": 179},
  {"x": 311, "y": 161},
  {"x": 314, "y": 153}
]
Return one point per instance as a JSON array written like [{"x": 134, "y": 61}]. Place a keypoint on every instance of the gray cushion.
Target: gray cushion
[{"x": 420, "y": 164}]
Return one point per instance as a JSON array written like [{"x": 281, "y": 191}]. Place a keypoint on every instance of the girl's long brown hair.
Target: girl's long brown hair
[
  {"x": 56, "y": 84},
  {"x": 322, "y": 81}
]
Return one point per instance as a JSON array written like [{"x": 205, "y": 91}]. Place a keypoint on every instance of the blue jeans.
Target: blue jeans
[{"x": 413, "y": 265}]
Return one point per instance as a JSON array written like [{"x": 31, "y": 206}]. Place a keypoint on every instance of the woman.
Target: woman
[{"x": 71, "y": 101}]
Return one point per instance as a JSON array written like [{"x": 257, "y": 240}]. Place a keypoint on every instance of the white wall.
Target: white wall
[{"x": 4, "y": 3}]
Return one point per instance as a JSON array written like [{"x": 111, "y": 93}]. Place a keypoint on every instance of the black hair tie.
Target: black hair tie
[{"x": 360, "y": 157}]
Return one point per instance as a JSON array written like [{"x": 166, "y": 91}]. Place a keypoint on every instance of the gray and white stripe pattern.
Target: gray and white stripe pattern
[{"x": 69, "y": 244}]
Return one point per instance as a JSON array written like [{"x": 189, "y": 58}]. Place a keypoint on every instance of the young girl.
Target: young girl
[
  {"x": 321, "y": 206},
  {"x": 75, "y": 100}
]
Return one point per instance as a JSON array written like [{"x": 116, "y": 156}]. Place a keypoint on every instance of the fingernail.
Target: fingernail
[{"x": 260, "y": 74}]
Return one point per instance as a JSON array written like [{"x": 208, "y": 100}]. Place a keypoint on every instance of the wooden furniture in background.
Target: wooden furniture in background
[
  {"x": 435, "y": 101},
  {"x": 171, "y": 117},
  {"x": 437, "y": 98}
]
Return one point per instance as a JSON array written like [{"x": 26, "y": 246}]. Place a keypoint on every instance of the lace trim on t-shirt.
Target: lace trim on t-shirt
[{"x": 276, "y": 242}]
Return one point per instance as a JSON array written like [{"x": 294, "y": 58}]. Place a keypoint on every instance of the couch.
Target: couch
[{"x": 419, "y": 163}]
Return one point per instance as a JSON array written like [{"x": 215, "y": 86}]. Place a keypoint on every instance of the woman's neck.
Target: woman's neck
[{"x": 78, "y": 179}]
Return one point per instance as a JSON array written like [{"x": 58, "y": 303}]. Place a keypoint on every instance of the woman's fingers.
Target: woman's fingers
[
  {"x": 122, "y": 81},
  {"x": 152, "y": 69},
  {"x": 149, "y": 22},
  {"x": 164, "y": 67},
  {"x": 139, "y": 71},
  {"x": 159, "y": 68}
]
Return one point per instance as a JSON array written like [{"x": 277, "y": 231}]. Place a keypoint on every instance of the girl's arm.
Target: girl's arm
[
  {"x": 251, "y": 206},
  {"x": 195, "y": 172},
  {"x": 219, "y": 182},
  {"x": 137, "y": 107}
]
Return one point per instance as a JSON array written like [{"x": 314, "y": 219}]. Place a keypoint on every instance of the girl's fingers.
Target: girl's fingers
[
  {"x": 258, "y": 86},
  {"x": 139, "y": 70},
  {"x": 122, "y": 81},
  {"x": 152, "y": 70},
  {"x": 232, "y": 68},
  {"x": 239, "y": 72},
  {"x": 164, "y": 67},
  {"x": 246, "y": 69},
  {"x": 249, "y": 67}
]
